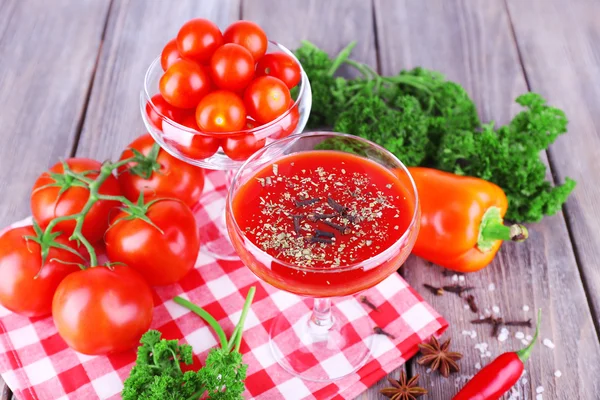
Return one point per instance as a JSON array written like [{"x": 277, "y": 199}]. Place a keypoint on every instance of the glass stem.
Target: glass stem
[{"x": 321, "y": 315}]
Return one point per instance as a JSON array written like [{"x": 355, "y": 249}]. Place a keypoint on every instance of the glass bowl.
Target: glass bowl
[{"x": 185, "y": 143}]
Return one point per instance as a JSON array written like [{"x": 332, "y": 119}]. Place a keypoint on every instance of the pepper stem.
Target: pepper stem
[
  {"x": 523, "y": 354},
  {"x": 492, "y": 229}
]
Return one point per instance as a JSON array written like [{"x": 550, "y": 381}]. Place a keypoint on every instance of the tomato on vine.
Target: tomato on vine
[
  {"x": 232, "y": 67},
  {"x": 266, "y": 98},
  {"x": 169, "y": 54},
  {"x": 102, "y": 310},
  {"x": 158, "y": 174},
  {"x": 239, "y": 148},
  {"x": 184, "y": 84},
  {"x": 27, "y": 282},
  {"x": 249, "y": 35},
  {"x": 158, "y": 239},
  {"x": 280, "y": 66},
  {"x": 58, "y": 192},
  {"x": 198, "y": 39},
  {"x": 221, "y": 111}
]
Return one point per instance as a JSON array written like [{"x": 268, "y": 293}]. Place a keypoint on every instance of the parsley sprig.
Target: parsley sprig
[{"x": 157, "y": 374}]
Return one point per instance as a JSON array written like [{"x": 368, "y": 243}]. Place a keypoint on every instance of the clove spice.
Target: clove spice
[
  {"x": 307, "y": 202},
  {"x": 340, "y": 209},
  {"x": 367, "y": 302},
  {"x": 321, "y": 240},
  {"x": 343, "y": 229},
  {"x": 379, "y": 331},
  {"x": 457, "y": 289},
  {"x": 438, "y": 291},
  {"x": 472, "y": 305},
  {"x": 320, "y": 233},
  {"x": 313, "y": 217},
  {"x": 498, "y": 322}
]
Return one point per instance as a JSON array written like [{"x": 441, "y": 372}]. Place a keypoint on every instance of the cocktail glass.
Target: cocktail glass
[
  {"x": 327, "y": 332},
  {"x": 186, "y": 143}
]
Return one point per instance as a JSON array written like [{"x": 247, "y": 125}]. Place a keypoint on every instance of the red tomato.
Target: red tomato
[
  {"x": 288, "y": 123},
  {"x": 239, "y": 148},
  {"x": 266, "y": 99},
  {"x": 162, "y": 258},
  {"x": 201, "y": 146},
  {"x": 169, "y": 55},
  {"x": 250, "y": 123},
  {"x": 20, "y": 262},
  {"x": 101, "y": 311},
  {"x": 281, "y": 66},
  {"x": 168, "y": 176},
  {"x": 198, "y": 39},
  {"x": 184, "y": 84},
  {"x": 159, "y": 110},
  {"x": 232, "y": 67},
  {"x": 47, "y": 204},
  {"x": 249, "y": 35},
  {"x": 221, "y": 111}
]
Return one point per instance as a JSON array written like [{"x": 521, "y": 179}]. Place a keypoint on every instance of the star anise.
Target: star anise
[
  {"x": 438, "y": 357},
  {"x": 403, "y": 389}
]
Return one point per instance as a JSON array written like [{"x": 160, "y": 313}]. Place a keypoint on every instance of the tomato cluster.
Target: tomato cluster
[
  {"x": 140, "y": 217},
  {"x": 223, "y": 85}
]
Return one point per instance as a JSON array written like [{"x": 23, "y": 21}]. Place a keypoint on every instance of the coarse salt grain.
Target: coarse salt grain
[
  {"x": 557, "y": 373},
  {"x": 529, "y": 337},
  {"x": 428, "y": 370},
  {"x": 491, "y": 287},
  {"x": 525, "y": 342},
  {"x": 466, "y": 307},
  {"x": 524, "y": 381},
  {"x": 520, "y": 335},
  {"x": 478, "y": 366},
  {"x": 548, "y": 343},
  {"x": 473, "y": 334},
  {"x": 461, "y": 278},
  {"x": 454, "y": 278},
  {"x": 488, "y": 353},
  {"x": 496, "y": 309},
  {"x": 539, "y": 389},
  {"x": 539, "y": 396},
  {"x": 525, "y": 307}
]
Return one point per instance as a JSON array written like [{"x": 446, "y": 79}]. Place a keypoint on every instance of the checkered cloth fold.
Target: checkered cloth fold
[{"x": 37, "y": 364}]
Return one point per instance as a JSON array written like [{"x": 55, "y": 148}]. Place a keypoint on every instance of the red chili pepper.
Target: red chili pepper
[{"x": 500, "y": 375}]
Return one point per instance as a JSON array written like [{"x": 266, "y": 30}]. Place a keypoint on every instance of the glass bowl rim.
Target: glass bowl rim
[
  {"x": 348, "y": 267},
  {"x": 301, "y": 94}
]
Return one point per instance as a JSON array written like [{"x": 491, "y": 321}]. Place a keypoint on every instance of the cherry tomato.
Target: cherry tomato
[
  {"x": 221, "y": 111},
  {"x": 288, "y": 123},
  {"x": 239, "y": 148},
  {"x": 163, "y": 257},
  {"x": 198, "y": 39},
  {"x": 281, "y": 66},
  {"x": 20, "y": 262},
  {"x": 266, "y": 98},
  {"x": 250, "y": 123},
  {"x": 48, "y": 203},
  {"x": 102, "y": 311},
  {"x": 159, "y": 110},
  {"x": 232, "y": 67},
  {"x": 200, "y": 146},
  {"x": 249, "y": 35},
  {"x": 168, "y": 176},
  {"x": 169, "y": 55},
  {"x": 184, "y": 84}
]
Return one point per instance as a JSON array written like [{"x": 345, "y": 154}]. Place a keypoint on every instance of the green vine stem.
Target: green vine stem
[{"x": 94, "y": 187}]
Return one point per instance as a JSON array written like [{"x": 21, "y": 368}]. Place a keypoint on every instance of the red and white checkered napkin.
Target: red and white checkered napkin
[{"x": 37, "y": 364}]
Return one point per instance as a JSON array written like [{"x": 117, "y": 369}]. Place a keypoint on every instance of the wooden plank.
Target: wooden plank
[
  {"x": 560, "y": 49},
  {"x": 49, "y": 54},
  {"x": 137, "y": 31},
  {"x": 320, "y": 22},
  {"x": 471, "y": 42},
  {"x": 49, "y": 51}
]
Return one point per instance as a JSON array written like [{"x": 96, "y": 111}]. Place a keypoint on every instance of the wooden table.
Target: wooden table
[{"x": 71, "y": 72}]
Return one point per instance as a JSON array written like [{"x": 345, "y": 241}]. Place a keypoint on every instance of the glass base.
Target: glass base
[
  {"x": 215, "y": 240},
  {"x": 323, "y": 353}
]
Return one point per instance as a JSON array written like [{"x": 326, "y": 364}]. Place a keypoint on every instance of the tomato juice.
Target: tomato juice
[{"x": 323, "y": 223}]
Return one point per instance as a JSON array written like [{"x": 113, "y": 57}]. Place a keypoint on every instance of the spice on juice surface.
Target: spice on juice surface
[{"x": 323, "y": 209}]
